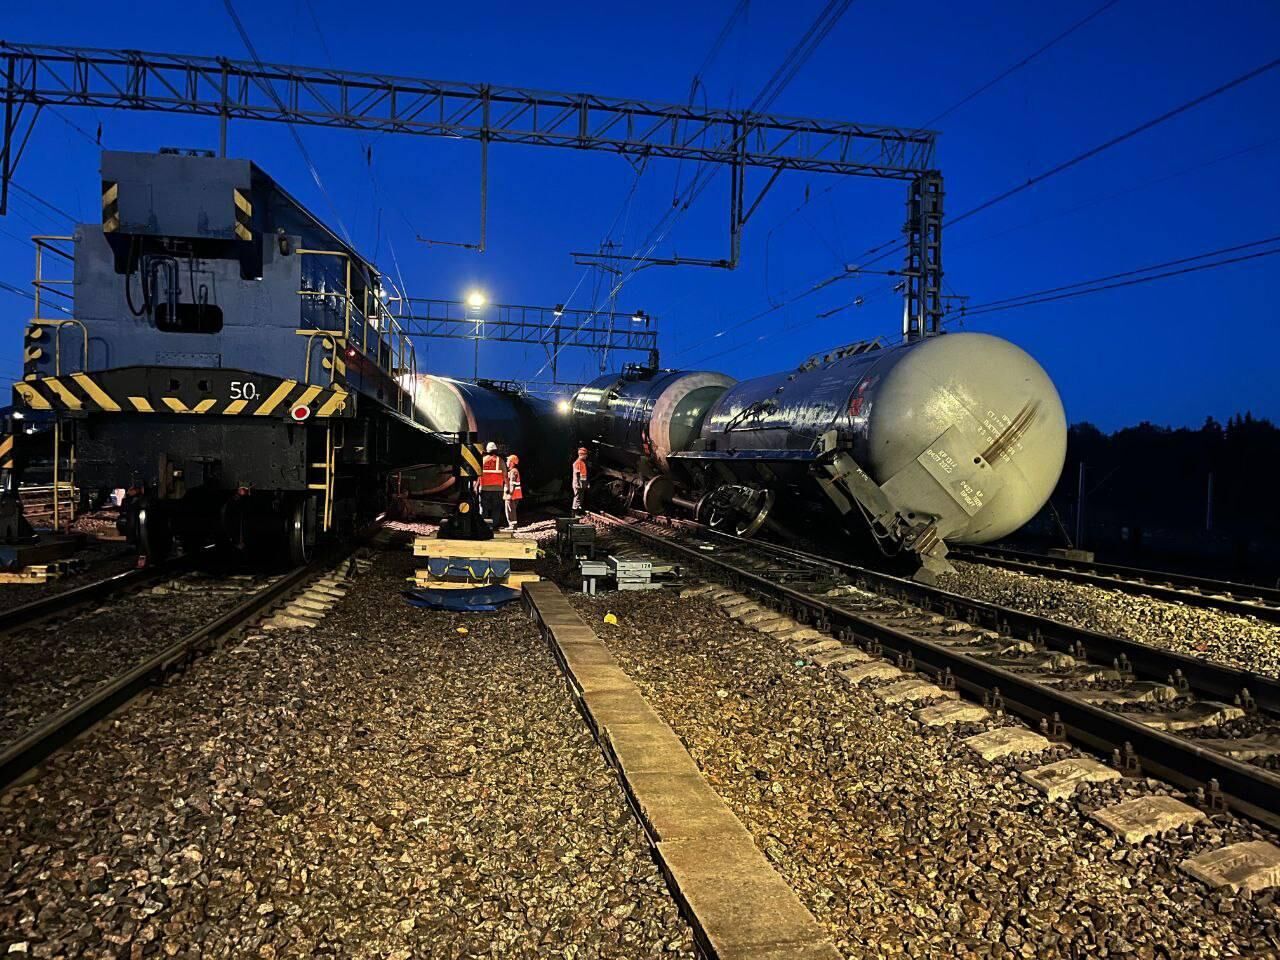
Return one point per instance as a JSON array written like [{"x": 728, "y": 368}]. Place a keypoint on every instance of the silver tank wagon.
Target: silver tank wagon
[{"x": 959, "y": 438}]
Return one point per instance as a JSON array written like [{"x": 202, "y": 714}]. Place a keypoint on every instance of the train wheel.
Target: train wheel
[
  {"x": 301, "y": 521},
  {"x": 749, "y": 526},
  {"x": 155, "y": 537}
]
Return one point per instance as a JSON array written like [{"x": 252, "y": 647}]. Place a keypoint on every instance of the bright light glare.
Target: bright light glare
[
  {"x": 563, "y": 406},
  {"x": 476, "y": 299}
]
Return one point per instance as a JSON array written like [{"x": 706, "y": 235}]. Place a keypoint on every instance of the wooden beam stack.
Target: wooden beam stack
[{"x": 458, "y": 564}]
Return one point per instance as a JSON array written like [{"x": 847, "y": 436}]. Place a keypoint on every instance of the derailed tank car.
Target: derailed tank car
[
  {"x": 484, "y": 412},
  {"x": 225, "y": 360},
  {"x": 636, "y": 420},
  {"x": 959, "y": 437}
]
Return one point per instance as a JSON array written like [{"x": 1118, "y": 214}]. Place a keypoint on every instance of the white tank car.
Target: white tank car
[{"x": 959, "y": 437}]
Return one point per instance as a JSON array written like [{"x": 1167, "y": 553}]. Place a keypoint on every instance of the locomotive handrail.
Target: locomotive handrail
[
  {"x": 392, "y": 343},
  {"x": 58, "y": 324},
  {"x": 334, "y": 336},
  {"x": 52, "y": 285},
  {"x": 49, "y": 241},
  {"x": 393, "y": 351}
]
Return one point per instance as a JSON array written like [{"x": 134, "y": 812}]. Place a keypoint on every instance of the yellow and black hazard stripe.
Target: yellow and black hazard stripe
[
  {"x": 110, "y": 206},
  {"x": 244, "y": 214},
  {"x": 82, "y": 393},
  {"x": 6, "y": 452},
  {"x": 470, "y": 456}
]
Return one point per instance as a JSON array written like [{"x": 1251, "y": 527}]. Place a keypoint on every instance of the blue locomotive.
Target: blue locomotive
[{"x": 220, "y": 360}]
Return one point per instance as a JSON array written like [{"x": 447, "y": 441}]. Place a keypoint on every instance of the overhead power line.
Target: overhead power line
[
  {"x": 1009, "y": 71},
  {"x": 1117, "y": 140},
  {"x": 1137, "y": 270},
  {"x": 41, "y": 200},
  {"x": 297, "y": 137},
  {"x": 972, "y": 95},
  {"x": 889, "y": 247},
  {"x": 786, "y": 72},
  {"x": 1097, "y": 285}
]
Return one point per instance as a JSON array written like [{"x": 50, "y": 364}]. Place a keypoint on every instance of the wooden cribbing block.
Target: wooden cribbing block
[{"x": 476, "y": 549}]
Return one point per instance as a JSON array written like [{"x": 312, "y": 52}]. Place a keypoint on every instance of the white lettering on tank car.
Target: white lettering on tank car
[{"x": 943, "y": 459}]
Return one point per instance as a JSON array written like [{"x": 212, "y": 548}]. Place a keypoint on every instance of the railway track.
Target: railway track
[
  {"x": 1201, "y": 726},
  {"x": 65, "y": 602},
  {"x": 25, "y": 753},
  {"x": 1241, "y": 599}
]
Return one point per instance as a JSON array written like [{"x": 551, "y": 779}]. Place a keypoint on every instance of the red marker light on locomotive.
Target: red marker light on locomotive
[{"x": 301, "y": 412}]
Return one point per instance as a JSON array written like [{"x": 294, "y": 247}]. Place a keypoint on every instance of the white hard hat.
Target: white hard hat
[{"x": 491, "y": 447}]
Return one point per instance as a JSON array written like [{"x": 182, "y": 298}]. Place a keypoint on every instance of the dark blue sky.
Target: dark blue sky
[{"x": 1172, "y": 352}]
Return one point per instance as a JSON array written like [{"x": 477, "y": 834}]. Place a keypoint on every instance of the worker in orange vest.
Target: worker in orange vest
[
  {"x": 580, "y": 483},
  {"x": 512, "y": 493},
  {"x": 492, "y": 481}
]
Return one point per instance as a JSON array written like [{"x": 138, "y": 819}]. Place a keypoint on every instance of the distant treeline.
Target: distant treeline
[{"x": 1184, "y": 496}]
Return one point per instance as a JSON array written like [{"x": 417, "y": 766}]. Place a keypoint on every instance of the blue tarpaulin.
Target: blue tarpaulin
[{"x": 479, "y": 598}]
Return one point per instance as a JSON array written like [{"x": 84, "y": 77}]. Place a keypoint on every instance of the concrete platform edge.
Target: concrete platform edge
[{"x": 738, "y": 906}]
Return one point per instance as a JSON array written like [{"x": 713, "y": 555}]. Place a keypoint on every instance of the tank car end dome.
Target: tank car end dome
[{"x": 990, "y": 423}]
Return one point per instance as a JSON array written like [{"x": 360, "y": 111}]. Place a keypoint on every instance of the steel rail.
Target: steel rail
[
  {"x": 57, "y": 604},
  {"x": 25, "y": 754},
  {"x": 1242, "y": 599},
  {"x": 1212, "y": 680},
  {"x": 1249, "y": 789}
]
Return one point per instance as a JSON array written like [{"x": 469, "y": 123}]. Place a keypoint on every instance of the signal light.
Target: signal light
[{"x": 300, "y": 413}]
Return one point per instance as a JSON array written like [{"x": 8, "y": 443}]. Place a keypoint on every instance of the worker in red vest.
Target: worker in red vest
[
  {"x": 512, "y": 493},
  {"x": 492, "y": 481},
  {"x": 580, "y": 483}
]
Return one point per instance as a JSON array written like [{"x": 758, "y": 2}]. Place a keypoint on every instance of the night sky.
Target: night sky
[{"x": 1171, "y": 352}]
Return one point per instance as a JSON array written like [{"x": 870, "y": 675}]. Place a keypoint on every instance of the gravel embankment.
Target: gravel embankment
[
  {"x": 382, "y": 786},
  {"x": 1242, "y": 642},
  {"x": 896, "y": 837}
]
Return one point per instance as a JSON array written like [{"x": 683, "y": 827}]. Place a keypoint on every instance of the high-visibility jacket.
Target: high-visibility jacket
[
  {"x": 579, "y": 475},
  {"x": 513, "y": 491},
  {"x": 491, "y": 472}
]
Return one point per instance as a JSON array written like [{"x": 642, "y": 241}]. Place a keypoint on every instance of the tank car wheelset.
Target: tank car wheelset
[{"x": 952, "y": 438}]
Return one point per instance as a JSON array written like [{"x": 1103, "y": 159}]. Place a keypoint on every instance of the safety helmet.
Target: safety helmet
[
  {"x": 512, "y": 460},
  {"x": 491, "y": 447},
  {"x": 582, "y": 451}
]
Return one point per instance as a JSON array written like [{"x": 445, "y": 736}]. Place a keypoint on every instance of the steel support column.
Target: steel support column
[{"x": 922, "y": 306}]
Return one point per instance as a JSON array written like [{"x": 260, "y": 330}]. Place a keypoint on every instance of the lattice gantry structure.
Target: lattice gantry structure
[{"x": 36, "y": 77}]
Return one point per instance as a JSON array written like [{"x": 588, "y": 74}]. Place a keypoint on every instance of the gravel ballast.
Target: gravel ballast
[
  {"x": 898, "y": 838},
  {"x": 1245, "y": 643},
  {"x": 381, "y": 786},
  {"x": 56, "y": 663}
]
